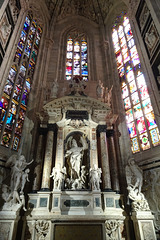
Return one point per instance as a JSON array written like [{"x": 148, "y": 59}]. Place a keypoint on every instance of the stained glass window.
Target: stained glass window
[
  {"x": 13, "y": 104},
  {"x": 76, "y": 56},
  {"x": 140, "y": 118}
]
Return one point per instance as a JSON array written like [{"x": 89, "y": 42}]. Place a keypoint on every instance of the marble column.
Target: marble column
[
  {"x": 48, "y": 158},
  {"x": 104, "y": 158},
  {"x": 113, "y": 161},
  {"x": 39, "y": 161}
]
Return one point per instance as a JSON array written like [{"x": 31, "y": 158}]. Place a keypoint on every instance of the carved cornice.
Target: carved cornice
[{"x": 98, "y": 110}]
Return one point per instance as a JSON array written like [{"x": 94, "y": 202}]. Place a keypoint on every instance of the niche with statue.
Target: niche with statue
[{"x": 76, "y": 154}]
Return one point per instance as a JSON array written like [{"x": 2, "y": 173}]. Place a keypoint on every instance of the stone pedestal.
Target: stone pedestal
[
  {"x": 8, "y": 224},
  {"x": 56, "y": 202},
  {"x": 143, "y": 225},
  {"x": 39, "y": 202},
  {"x": 112, "y": 201}
]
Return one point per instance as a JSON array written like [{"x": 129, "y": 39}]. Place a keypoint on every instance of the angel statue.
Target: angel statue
[
  {"x": 58, "y": 175},
  {"x": 95, "y": 177},
  {"x": 75, "y": 154},
  {"x": 134, "y": 175},
  {"x": 19, "y": 176}
]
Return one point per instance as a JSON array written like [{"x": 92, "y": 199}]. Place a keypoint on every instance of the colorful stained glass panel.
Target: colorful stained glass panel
[
  {"x": 131, "y": 43},
  {"x": 130, "y": 76},
  {"x": 144, "y": 141},
  {"x": 129, "y": 116},
  {"x": 135, "y": 145},
  {"x": 127, "y": 103},
  {"x": 155, "y": 136},
  {"x": 141, "y": 125},
  {"x": 132, "y": 86},
  {"x": 137, "y": 111},
  {"x": 140, "y": 80},
  {"x": 128, "y": 32},
  {"x": 132, "y": 130},
  {"x": 119, "y": 60},
  {"x": 135, "y": 98},
  {"x": 125, "y": 92},
  {"x": 135, "y": 60},
  {"x": 147, "y": 106},
  {"x": 151, "y": 120},
  {"x": 122, "y": 41},
  {"x": 133, "y": 51},
  {"x": 27, "y": 24},
  {"x": 121, "y": 71},
  {"x": 144, "y": 92}
]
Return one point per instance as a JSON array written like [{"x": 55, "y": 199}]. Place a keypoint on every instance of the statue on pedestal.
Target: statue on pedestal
[
  {"x": 54, "y": 89},
  {"x": 58, "y": 175},
  {"x": 100, "y": 90},
  {"x": 95, "y": 177},
  {"x": 74, "y": 157},
  {"x": 14, "y": 195},
  {"x": 134, "y": 176}
]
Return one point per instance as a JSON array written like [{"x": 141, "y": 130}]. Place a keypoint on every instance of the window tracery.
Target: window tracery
[
  {"x": 13, "y": 104},
  {"x": 76, "y": 56},
  {"x": 140, "y": 118}
]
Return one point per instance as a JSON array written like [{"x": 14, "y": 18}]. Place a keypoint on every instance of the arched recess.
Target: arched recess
[{"x": 61, "y": 31}]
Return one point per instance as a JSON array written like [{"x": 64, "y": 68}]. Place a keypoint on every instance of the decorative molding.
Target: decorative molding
[{"x": 42, "y": 228}]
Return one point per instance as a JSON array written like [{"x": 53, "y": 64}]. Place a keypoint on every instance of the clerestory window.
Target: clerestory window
[
  {"x": 76, "y": 56},
  {"x": 13, "y": 104},
  {"x": 140, "y": 118}
]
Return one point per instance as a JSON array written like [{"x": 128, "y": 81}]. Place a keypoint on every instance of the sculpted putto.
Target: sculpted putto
[
  {"x": 58, "y": 175},
  {"x": 95, "y": 177}
]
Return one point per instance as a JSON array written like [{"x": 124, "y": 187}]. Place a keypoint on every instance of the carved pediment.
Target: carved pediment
[{"x": 97, "y": 109}]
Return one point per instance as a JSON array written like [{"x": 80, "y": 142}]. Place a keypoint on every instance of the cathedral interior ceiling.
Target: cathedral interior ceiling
[{"x": 95, "y": 10}]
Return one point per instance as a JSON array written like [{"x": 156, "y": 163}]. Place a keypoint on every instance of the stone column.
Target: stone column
[
  {"x": 48, "y": 158},
  {"x": 113, "y": 161},
  {"x": 39, "y": 161},
  {"x": 104, "y": 158}
]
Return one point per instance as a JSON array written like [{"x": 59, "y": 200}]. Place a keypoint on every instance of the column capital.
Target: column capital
[
  {"x": 52, "y": 127},
  {"x": 110, "y": 133},
  {"x": 101, "y": 128}
]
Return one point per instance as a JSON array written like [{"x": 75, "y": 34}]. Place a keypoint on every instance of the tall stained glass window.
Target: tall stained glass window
[
  {"x": 76, "y": 56},
  {"x": 13, "y": 104},
  {"x": 140, "y": 116}
]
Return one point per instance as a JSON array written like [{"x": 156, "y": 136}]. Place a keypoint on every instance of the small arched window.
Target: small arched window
[
  {"x": 13, "y": 104},
  {"x": 140, "y": 118},
  {"x": 76, "y": 56}
]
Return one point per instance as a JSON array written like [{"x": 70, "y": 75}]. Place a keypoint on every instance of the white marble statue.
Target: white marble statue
[
  {"x": 13, "y": 195},
  {"x": 24, "y": 179},
  {"x": 75, "y": 155},
  {"x": 134, "y": 175},
  {"x": 108, "y": 96},
  {"x": 58, "y": 175},
  {"x": 100, "y": 90},
  {"x": 139, "y": 203},
  {"x": 95, "y": 177},
  {"x": 54, "y": 89}
]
